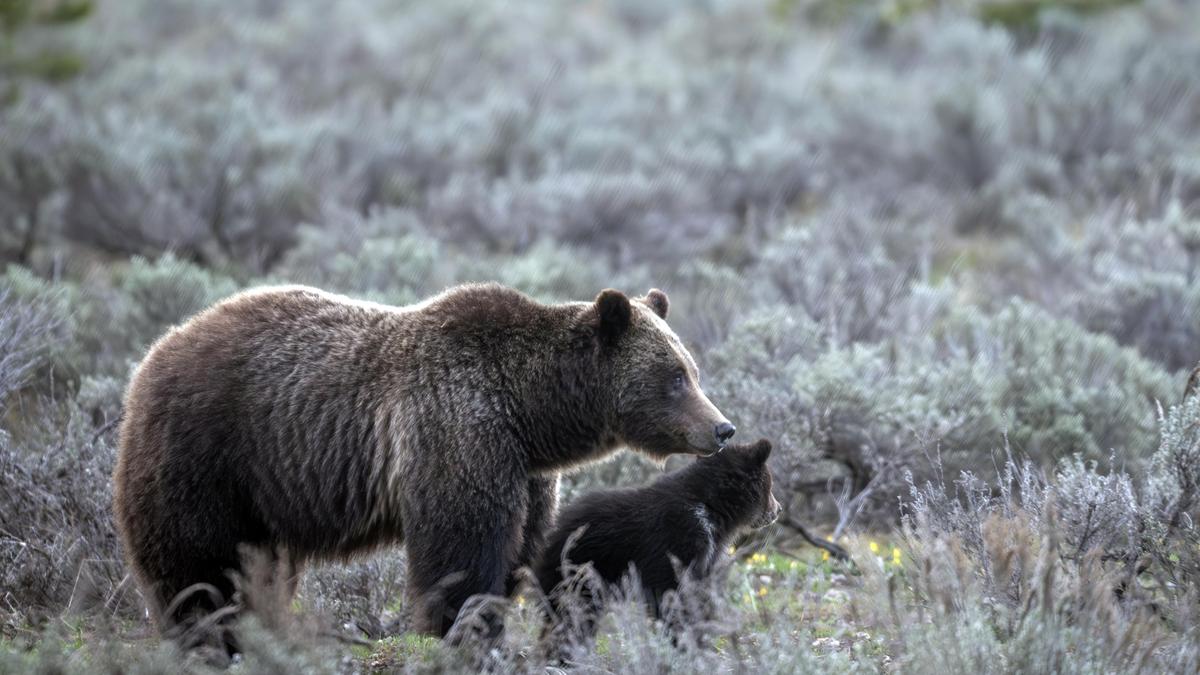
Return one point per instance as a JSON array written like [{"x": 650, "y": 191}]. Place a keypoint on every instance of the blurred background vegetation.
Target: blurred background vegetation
[{"x": 943, "y": 252}]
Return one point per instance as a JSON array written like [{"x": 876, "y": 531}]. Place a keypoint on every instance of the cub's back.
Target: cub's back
[{"x": 643, "y": 526}]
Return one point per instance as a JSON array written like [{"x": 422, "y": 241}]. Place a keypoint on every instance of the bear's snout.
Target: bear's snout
[
  {"x": 724, "y": 431},
  {"x": 707, "y": 428},
  {"x": 776, "y": 509},
  {"x": 769, "y": 515}
]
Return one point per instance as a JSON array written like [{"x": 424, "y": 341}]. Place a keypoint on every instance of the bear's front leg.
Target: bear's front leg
[
  {"x": 459, "y": 548},
  {"x": 543, "y": 502}
]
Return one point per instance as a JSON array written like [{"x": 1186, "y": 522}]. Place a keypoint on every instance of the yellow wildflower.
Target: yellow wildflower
[
  {"x": 895, "y": 555},
  {"x": 762, "y": 592},
  {"x": 824, "y": 555},
  {"x": 874, "y": 547}
]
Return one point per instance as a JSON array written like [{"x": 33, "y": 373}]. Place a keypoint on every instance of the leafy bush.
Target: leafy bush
[
  {"x": 1170, "y": 534},
  {"x": 1126, "y": 553},
  {"x": 25, "y": 329},
  {"x": 956, "y": 386},
  {"x": 118, "y": 320},
  {"x": 1131, "y": 279},
  {"x": 364, "y": 597},
  {"x": 37, "y": 333},
  {"x": 1063, "y": 390},
  {"x": 58, "y": 548}
]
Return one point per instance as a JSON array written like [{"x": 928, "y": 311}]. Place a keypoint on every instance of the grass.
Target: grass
[
  {"x": 791, "y": 608},
  {"x": 789, "y": 584},
  {"x": 392, "y": 652}
]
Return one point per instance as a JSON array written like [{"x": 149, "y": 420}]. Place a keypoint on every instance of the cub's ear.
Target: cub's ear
[
  {"x": 614, "y": 314},
  {"x": 760, "y": 451},
  {"x": 657, "y": 301}
]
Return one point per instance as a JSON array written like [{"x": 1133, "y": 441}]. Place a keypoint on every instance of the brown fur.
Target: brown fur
[{"x": 309, "y": 425}]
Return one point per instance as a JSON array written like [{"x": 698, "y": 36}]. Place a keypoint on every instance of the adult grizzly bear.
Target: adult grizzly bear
[{"x": 308, "y": 425}]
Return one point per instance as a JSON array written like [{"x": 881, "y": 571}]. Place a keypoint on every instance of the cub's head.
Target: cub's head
[
  {"x": 657, "y": 405},
  {"x": 739, "y": 484}
]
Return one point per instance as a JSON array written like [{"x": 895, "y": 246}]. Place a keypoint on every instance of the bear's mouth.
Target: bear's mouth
[
  {"x": 765, "y": 519},
  {"x": 768, "y": 515},
  {"x": 703, "y": 450},
  {"x": 706, "y": 451}
]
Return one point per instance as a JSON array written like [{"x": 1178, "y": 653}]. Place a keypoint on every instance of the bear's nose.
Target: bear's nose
[{"x": 724, "y": 431}]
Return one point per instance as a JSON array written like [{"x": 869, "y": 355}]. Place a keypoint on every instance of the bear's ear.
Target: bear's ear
[
  {"x": 760, "y": 451},
  {"x": 657, "y": 301},
  {"x": 614, "y": 314}
]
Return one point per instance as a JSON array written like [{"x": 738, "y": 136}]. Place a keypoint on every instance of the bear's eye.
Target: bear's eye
[{"x": 679, "y": 381}]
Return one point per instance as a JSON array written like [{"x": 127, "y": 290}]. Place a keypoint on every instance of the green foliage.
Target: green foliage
[
  {"x": 1174, "y": 474},
  {"x": 772, "y": 342},
  {"x": 59, "y": 551},
  {"x": 390, "y": 256},
  {"x": 165, "y": 292},
  {"x": 19, "y": 19},
  {"x": 1170, "y": 531},
  {"x": 1064, "y": 391},
  {"x": 545, "y": 271},
  {"x": 366, "y": 596},
  {"x": 40, "y": 328},
  {"x": 386, "y": 254},
  {"x": 121, "y": 318},
  {"x": 1024, "y": 14},
  {"x": 17, "y": 14},
  {"x": 1060, "y": 561},
  {"x": 959, "y": 387}
]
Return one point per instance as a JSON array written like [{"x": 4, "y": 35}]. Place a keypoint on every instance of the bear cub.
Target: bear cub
[{"x": 684, "y": 518}]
